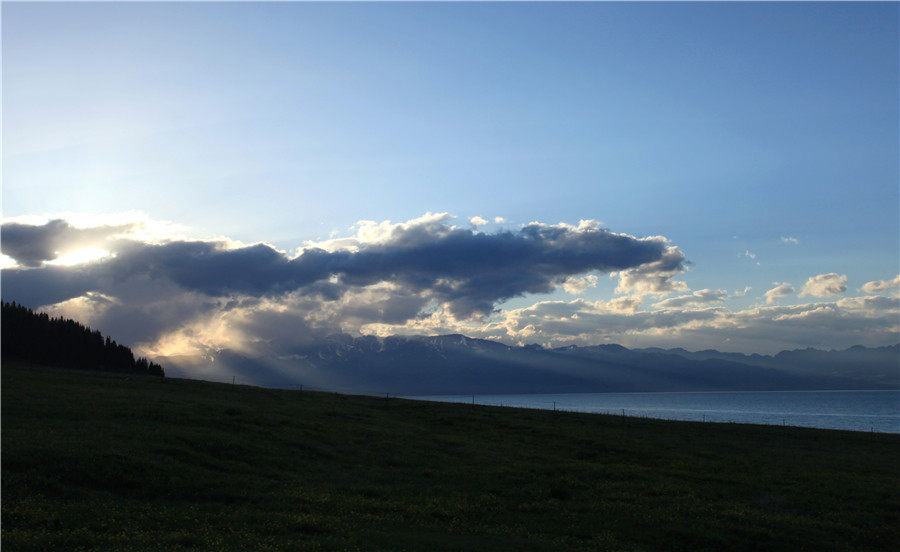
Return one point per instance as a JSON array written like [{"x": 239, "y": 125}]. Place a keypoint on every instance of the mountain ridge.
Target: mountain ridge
[{"x": 458, "y": 364}]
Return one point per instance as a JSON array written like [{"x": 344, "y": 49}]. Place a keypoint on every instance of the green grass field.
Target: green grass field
[{"x": 94, "y": 461}]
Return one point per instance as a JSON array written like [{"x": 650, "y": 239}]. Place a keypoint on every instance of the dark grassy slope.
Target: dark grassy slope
[{"x": 114, "y": 462}]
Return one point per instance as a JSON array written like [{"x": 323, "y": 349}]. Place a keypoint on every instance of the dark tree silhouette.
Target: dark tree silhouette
[{"x": 62, "y": 342}]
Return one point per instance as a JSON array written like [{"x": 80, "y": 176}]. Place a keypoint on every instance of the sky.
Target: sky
[{"x": 201, "y": 177}]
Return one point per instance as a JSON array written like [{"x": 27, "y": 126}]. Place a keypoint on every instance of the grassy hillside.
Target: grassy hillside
[{"x": 99, "y": 461}]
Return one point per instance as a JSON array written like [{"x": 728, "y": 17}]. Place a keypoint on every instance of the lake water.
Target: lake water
[{"x": 853, "y": 410}]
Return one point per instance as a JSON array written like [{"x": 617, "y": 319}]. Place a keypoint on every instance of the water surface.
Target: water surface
[{"x": 852, "y": 410}]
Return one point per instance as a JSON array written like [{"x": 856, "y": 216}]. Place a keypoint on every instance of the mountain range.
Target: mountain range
[{"x": 456, "y": 364}]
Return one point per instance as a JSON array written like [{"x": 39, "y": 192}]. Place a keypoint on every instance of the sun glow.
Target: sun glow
[
  {"x": 81, "y": 256},
  {"x": 7, "y": 262}
]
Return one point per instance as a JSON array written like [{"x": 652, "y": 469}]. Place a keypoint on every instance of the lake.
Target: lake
[{"x": 852, "y": 410}]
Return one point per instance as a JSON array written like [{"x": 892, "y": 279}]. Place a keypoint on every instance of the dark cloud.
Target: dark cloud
[
  {"x": 467, "y": 269},
  {"x": 472, "y": 271},
  {"x": 30, "y": 245},
  {"x": 49, "y": 285}
]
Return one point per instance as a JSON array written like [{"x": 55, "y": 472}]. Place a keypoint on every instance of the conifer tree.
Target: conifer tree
[{"x": 63, "y": 342}]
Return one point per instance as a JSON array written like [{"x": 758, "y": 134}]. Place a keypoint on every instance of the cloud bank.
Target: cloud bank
[
  {"x": 842, "y": 323},
  {"x": 206, "y": 299},
  {"x": 465, "y": 270}
]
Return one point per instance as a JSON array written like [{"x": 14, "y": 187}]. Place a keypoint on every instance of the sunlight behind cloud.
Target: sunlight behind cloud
[{"x": 81, "y": 256}]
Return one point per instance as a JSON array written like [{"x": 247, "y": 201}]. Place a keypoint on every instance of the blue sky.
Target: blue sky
[{"x": 723, "y": 127}]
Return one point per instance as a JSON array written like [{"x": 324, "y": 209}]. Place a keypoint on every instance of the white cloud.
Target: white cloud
[
  {"x": 576, "y": 285},
  {"x": 879, "y": 286},
  {"x": 824, "y": 285},
  {"x": 499, "y": 220},
  {"x": 653, "y": 278},
  {"x": 702, "y": 297},
  {"x": 788, "y": 239},
  {"x": 780, "y": 290},
  {"x": 370, "y": 232},
  {"x": 749, "y": 254},
  {"x": 478, "y": 221}
]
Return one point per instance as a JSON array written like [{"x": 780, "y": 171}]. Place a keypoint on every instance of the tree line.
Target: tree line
[{"x": 62, "y": 342}]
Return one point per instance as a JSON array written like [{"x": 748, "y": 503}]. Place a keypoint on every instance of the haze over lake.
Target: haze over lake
[{"x": 851, "y": 410}]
